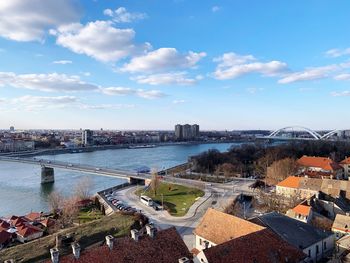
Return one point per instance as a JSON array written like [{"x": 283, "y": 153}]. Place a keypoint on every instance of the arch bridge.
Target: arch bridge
[{"x": 315, "y": 135}]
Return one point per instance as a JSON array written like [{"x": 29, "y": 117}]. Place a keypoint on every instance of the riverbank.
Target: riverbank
[{"x": 112, "y": 147}]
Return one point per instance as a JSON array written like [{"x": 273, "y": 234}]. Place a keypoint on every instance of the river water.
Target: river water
[{"x": 21, "y": 191}]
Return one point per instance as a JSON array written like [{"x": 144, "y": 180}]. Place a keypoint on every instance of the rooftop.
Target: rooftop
[
  {"x": 345, "y": 161},
  {"x": 290, "y": 181},
  {"x": 319, "y": 162},
  {"x": 296, "y": 233},
  {"x": 302, "y": 210},
  {"x": 219, "y": 227},
  {"x": 341, "y": 222},
  {"x": 262, "y": 246}
]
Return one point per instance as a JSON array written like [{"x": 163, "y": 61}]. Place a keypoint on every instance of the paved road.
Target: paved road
[{"x": 217, "y": 198}]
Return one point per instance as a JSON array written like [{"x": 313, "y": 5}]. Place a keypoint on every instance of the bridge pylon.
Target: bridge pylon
[{"x": 47, "y": 175}]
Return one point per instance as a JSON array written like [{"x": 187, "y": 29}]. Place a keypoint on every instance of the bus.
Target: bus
[{"x": 146, "y": 200}]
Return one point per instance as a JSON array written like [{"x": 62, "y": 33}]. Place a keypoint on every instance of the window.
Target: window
[
  {"x": 200, "y": 241},
  {"x": 317, "y": 249},
  {"x": 325, "y": 245},
  {"x": 309, "y": 253}
]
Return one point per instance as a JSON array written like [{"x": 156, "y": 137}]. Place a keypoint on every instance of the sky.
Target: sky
[{"x": 148, "y": 65}]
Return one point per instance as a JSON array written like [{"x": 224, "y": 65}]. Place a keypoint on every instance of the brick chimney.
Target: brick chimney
[
  {"x": 135, "y": 234},
  {"x": 54, "y": 255},
  {"x": 110, "y": 241},
  {"x": 184, "y": 260},
  {"x": 76, "y": 249},
  {"x": 151, "y": 231}
]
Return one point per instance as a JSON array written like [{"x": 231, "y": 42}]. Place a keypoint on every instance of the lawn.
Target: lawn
[
  {"x": 177, "y": 198},
  {"x": 86, "y": 234},
  {"x": 88, "y": 214}
]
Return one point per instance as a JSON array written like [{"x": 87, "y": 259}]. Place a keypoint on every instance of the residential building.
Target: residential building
[
  {"x": 346, "y": 166},
  {"x": 187, "y": 132},
  {"x": 320, "y": 167},
  {"x": 86, "y": 138},
  {"x": 261, "y": 246},
  {"x": 301, "y": 212},
  {"x": 195, "y": 130},
  {"x": 178, "y": 132},
  {"x": 305, "y": 187},
  {"x": 314, "y": 242},
  {"x": 217, "y": 227},
  {"x": 341, "y": 225},
  {"x": 164, "y": 246},
  {"x": 5, "y": 238}
]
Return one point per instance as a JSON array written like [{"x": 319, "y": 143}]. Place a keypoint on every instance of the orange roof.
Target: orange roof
[
  {"x": 320, "y": 162},
  {"x": 219, "y": 227},
  {"x": 290, "y": 181},
  {"x": 33, "y": 216},
  {"x": 302, "y": 210},
  {"x": 345, "y": 161}
]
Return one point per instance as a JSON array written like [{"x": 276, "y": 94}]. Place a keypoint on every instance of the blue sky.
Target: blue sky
[{"x": 152, "y": 64}]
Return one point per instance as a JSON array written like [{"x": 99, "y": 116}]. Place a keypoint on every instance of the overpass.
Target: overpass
[
  {"x": 314, "y": 135},
  {"x": 47, "y": 169}
]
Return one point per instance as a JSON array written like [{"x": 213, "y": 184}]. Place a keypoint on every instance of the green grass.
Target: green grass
[
  {"x": 87, "y": 234},
  {"x": 177, "y": 198},
  {"x": 88, "y": 214}
]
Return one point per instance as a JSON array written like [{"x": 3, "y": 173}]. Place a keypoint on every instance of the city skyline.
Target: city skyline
[{"x": 146, "y": 66}]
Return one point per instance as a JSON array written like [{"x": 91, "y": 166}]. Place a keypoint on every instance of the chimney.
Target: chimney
[
  {"x": 184, "y": 260},
  {"x": 110, "y": 241},
  {"x": 135, "y": 234},
  {"x": 76, "y": 249},
  {"x": 54, "y": 255},
  {"x": 151, "y": 230}
]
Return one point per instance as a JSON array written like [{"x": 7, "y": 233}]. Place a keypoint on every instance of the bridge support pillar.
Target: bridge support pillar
[
  {"x": 135, "y": 181},
  {"x": 47, "y": 175}
]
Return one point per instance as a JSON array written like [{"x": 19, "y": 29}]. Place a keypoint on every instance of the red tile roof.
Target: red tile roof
[
  {"x": 263, "y": 246},
  {"x": 291, "y": 182},
  {"x": 320, "y": 162},
  {"x": 33, "y": 216},
  {"x": 302, "y": 210},
  {"x": 27, "y": 230},
  {"x": 166, "y": 247},
  {"x": 4, "y": 224},
  {"x": 4, "y": 237}
]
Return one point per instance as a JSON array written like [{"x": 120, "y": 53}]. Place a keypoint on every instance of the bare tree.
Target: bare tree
[
  {"x": 228, "y": 169},
  {"x": 70, "y": 211},
  {"x": 280, "y": 170},
  {"x": 55, "y": 200},
  {"x": 155, "y": 182},
  {"x": 83, "y": 188}
]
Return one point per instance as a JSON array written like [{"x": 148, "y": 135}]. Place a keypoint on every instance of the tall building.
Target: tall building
[
  {"x": 12, "y": 129},
  {"x": 86, "y": 137},
  {"x": 186, "y": 132},
  {"x": 195, "y": 130},
  {"x": 178, "y": 132}
]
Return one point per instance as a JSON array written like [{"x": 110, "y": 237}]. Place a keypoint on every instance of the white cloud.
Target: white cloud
[
  {"x": 106, "y": 106},
  {"x": 99, "y": 39},
  {"x": 231, "y": 65},
  {"x": 33, "y": 103},
  {"x": 254, "y": 90},
  {"x": 215, "y": 8},
  {"x": 121, "y": 15},
  {"x": 335, "y": 52},
  {"x": 178, "y": 101},
  {"x": 309, "y": 74},
  {"x": 45, "y": 82},
  {"x": 174, "y": 78},
  {"x": 162, "y": 59},
  {"x": 28, "y": 20},
  {"x": 344, "y": 76},
  {"x": 62, "y": 62},
  {"x": 122, "y": 91},
  {"x": 341, "y": 94}
]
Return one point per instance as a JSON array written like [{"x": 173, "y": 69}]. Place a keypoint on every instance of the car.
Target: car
[
  {"x": 70, "y": 165},
  {"x": 48, "y": 161},
  {"x": 98, "y": 169}
]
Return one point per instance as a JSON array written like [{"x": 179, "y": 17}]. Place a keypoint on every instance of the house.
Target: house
[
  {"x": 305, "y": 188},
  {"x": 5, "y": 238},
  {"x": 261, "y": 246},
  {"x": 346, "y": 166},
  {"x": 314, "y": 242},
  {"x": 217, "y": 227},
  {"x": 164, "y": 246},
  {"x": 320, "y": 167},
  {"x": 301, "y": 212},
  {"x": 341, "y": 225},
  {"x": 27, "y": 232},
  {"x": 34, "y": 217}
]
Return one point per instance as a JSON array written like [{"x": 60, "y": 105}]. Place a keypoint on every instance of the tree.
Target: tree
[
  {"x": 155, "y": 182},
  {"x": 83, "y": 188},
  {"x": 280, "y": 170},
  {"x": 227, "y": 169},
  {"x": 55, "y": 200},
  {"x": 70, "y": 211}
]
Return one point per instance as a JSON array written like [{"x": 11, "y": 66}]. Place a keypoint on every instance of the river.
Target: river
[{"x": 21, "y": 191}]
